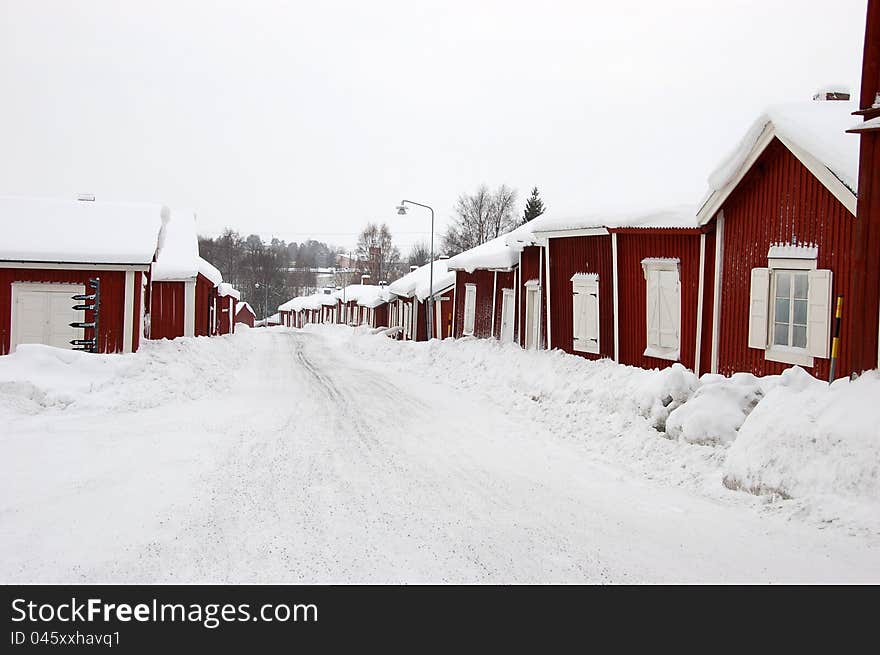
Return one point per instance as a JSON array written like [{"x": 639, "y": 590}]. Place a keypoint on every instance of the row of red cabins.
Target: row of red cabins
[
  {"x": 746, "y": 281},
  {"x": 153, "y": 284}
]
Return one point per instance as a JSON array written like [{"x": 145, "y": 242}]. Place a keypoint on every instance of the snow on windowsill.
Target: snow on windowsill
[
  {"x": 663, "y": 353},
  {"x": 585, "y": 277},
  {"x": 793, "y": 251}
]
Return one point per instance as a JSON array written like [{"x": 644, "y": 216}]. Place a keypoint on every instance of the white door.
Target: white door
[
  {"x": 533, "y": 317},
  {"x": 507, "y": 315},
  {"x": 42, "y": 313}
]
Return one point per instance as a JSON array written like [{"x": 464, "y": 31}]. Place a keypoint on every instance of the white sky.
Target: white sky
[{"x": 307, "y": 119}]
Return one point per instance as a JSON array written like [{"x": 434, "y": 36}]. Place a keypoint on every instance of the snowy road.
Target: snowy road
[{"x": 288, "y": 460}]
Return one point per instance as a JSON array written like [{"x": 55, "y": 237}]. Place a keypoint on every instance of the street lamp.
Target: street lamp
[
  {"x": 401, "y": 210},
  {"x": 257, "y": 285}
]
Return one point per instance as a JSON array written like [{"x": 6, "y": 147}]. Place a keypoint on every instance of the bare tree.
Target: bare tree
[
  {"x": 480, "y": 217},
  {"x": 419, "y": 254},
  {"x": 376, "y": 253}
]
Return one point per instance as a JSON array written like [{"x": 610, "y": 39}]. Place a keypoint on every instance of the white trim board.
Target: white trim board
[{"x": 59, "y": 266}]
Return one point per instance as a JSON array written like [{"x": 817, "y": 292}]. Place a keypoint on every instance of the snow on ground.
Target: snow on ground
[{"x": 333, "y": 455}]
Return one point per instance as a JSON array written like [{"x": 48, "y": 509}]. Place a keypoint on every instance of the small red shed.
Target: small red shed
[
  {"x": 227, "y": 297},
  {"x": 411, "y": 292},
  {"x": 244, "y": 314},
  {"x": 55, "y": 248}
]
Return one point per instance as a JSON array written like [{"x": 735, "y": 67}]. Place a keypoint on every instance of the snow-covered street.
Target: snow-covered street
[{"x": 321, "y": 456}]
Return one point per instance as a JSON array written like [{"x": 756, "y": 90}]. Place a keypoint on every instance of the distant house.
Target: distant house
[
  {"x": 409, "y": 294},
  {"x": 486, "y": 297},
  {"x": 227, "y": 297},
  {"x": 244, "y": 314},
  {"x": 183, "y": 286},
  {"x": 50, "y": 250}
]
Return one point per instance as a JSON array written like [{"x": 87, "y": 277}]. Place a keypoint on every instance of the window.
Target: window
[
  {"x": 585, "y": 312},
  {"x": 790, "y": 306},
  {"x": 663, "y": 308},
  {"x": 470, "y": 308}
]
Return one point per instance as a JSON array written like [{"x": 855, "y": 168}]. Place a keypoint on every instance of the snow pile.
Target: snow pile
[
  {"x": 807, "y": 438},
  {"x": 718, "y": 408},
  {"x": 37, "y": 378},
  {"x": 492, "y": 255},
  {"x": 819, "y": 128},
  {"x": 417, "y": 283},
  {"x": 53, "y": 230}
]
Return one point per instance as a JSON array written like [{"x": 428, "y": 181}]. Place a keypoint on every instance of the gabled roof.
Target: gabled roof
[
  {"x": 73, "y": 231},
  {"x": 244, "y": 305},
  {"x": 224, "y": 289},
  {"x": 814, "y": 132}
]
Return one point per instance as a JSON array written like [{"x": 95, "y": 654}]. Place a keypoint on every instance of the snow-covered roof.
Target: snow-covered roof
[
  {"x": 495, "y": 254},
  {"x": 366, "y": 295},
  {"x": 680, "y": 216},
  {"x": 178, "y": 255},
  {"x": 73, "y": 231},
  {"x": 244, "y": 305},
  {"x": 417, "y": 283},
  {"x": 817, "y": 127},
  {"x": 225, "y": 289},
  {"x": 314, "y": 301}
]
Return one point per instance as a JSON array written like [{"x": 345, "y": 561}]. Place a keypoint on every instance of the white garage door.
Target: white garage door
[{"x": 41, "y": 313}]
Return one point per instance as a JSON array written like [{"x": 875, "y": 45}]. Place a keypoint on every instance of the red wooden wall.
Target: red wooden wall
[
  {"x": 223, "y": 317},
  {"x": 483, "y": 317},
  {"x": 632, "y": 248},
  {"x": 244, "y": 316},
  {"x": 110, "y": 337},
  {"x": 570, "y": 255},
  {"x": 166, "y": 310},
  {"x": 777, "y": 199},
  {"x": 206, "y": 292},
  {"x": 530, "y": 269}
]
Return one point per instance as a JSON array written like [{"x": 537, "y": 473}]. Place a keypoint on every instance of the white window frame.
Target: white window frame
[
  {"x": 795, "y": 259},
  {"x": 654, "y": 266},
  {"x": 470, "y": 294}
]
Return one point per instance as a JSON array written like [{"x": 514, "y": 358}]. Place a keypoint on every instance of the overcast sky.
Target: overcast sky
[{"x": 308, "y": 119}]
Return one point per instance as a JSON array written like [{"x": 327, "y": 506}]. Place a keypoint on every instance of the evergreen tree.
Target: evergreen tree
[{"x": 534, "y": 206}]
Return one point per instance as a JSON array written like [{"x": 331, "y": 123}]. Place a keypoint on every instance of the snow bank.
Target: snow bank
[
  {"x": 53, "y": 230},
  {"x": 37, "y": 378},
  {"x": 819, "y": 128},
  {"x": 807, "y": 438},
  {"x": 718, "y": 408}
]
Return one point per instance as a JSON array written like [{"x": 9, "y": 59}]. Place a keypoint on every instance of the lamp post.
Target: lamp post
[
  {"x": 257, "y": 285},
  {"x": 401, "y": 210}
]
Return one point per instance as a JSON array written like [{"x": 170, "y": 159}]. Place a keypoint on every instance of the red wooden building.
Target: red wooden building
[
  {"x": 861, "y": 320},
  {"x": 486, "y": 284},
  {"x": 244, "y": 314},
  {"x": 56, "y": 247},
  {"x": 783, "y": 206},
  {"x": 227, "y": 298},
  {"x": 183, "y": 288},
  {"x": 408, "y": 310}
]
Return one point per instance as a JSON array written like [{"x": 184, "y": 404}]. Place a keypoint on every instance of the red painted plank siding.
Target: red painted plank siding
[
  {"x": 110, "y": 337},
  {"x": 631, "y": 250},
  {"x": 166, "y": 310},
  {"x": 777, "y": 200},
  {"x": 570, "y": 255},
  {"x": 226, "y": 303},
  {"x": 205, "y": 294},
  {"x": 137, "y": 328},
  {"x": 244, "y": 316},
  {"x": 482, "y": 281},
  {"x": 530, "y": 269}
]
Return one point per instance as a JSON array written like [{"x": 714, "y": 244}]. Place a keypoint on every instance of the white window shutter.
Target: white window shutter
[
  {"x": 819, "y": 313},
  {"x": 470, "y": 306},
  {"x": 759, "y": 298},
  {"x": 585, "y": 315},
  {"x": 652, "y": 316},
  {"x": 669, "y": 309}
]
